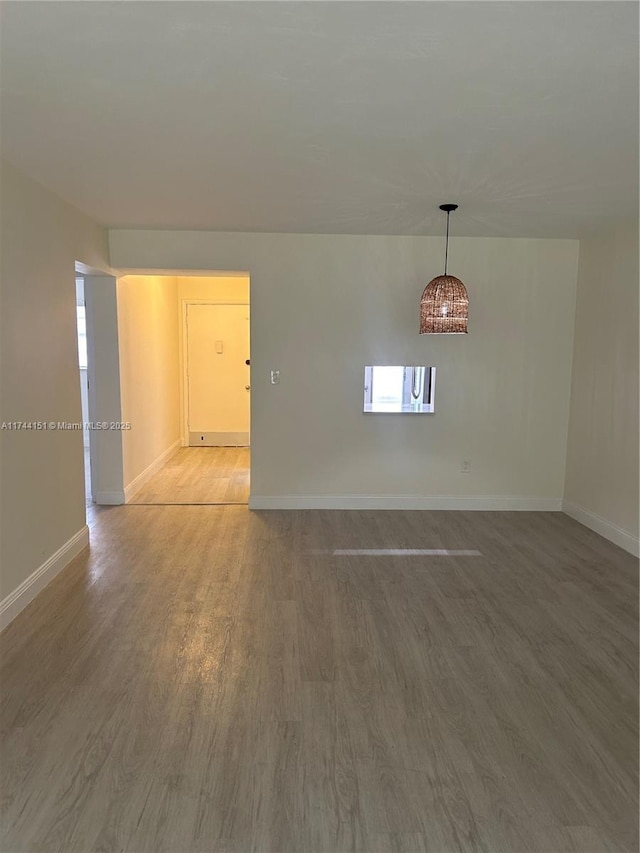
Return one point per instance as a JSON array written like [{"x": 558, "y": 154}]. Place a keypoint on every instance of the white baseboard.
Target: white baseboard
[
  {"x": 481, "y": 502},
  {"x": 603, "y": 527},
  {"x": 218, "y": 439},
  {"x": 136, "y": 484},
  {"x": 110, "y": 498},
  {"x": 36, "y": 582}
]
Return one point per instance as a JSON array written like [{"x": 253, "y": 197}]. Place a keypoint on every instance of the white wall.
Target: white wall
[
  {"x": 214, "y": 288},
  {"x": 42, "y": 493},
  {"x": 104, "y": 388},
  {"x": 602, "y": 457},
  {"x": 323, "y": 307},
  {"x": 148, "y": 334}
]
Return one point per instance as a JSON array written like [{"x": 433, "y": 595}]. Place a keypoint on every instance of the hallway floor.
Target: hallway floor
[
  {"x": 200, "y": 475},
  {"x": 213, "y": 679}
]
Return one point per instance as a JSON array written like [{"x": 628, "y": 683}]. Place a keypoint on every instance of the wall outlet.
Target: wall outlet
[
  {"x": 465, "y": 468},
  {"x": 275, "y": 377}
]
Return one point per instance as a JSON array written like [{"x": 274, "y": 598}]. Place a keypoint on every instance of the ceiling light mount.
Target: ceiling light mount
[{"x": 444, "y": 307}]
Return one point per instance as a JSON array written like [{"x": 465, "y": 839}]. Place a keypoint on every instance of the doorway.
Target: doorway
[
  {"x": 212, "y": 464},
  {"x": 83, "y": 366}
]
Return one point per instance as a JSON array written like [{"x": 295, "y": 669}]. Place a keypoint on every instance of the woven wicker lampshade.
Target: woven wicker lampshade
[{"x": 444, "y": 307}]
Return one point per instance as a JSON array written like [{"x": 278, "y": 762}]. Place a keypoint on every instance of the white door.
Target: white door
[{"x": 218, "y": 375}]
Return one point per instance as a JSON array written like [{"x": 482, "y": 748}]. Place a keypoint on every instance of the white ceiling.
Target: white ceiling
[{"x": 328, "y": 117}]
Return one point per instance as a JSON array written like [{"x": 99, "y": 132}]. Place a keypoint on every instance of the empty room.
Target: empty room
[{"x": 414, "y": 625}]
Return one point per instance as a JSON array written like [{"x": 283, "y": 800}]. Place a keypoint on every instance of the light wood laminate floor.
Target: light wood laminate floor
[
  {"x": 193, "y": 475},
  {"x": 210, "y": 679}
]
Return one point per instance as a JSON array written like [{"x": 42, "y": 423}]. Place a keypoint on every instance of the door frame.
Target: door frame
[
  {"x": 103, "y": 373},
  {"x": 184, "y": 385}
]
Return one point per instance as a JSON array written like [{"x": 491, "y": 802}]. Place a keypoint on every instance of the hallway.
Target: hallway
[{"x": 200, "y": 475}]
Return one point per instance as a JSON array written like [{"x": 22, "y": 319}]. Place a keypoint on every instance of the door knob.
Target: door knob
[
  {"x": 248, "y": 387},
  {"x": 248, "y": 361}
]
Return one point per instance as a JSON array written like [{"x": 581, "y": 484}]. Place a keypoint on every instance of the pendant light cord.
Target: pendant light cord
[{"x": 446, "y": 250}]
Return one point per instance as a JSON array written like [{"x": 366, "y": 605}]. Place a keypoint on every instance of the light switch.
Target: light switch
[
  {"x": 275, "y": 377},
  {"x": 219, "y": 347}
]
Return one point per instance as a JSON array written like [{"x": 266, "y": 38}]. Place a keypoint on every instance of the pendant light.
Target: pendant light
[{"x": 444, "y": 306}]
